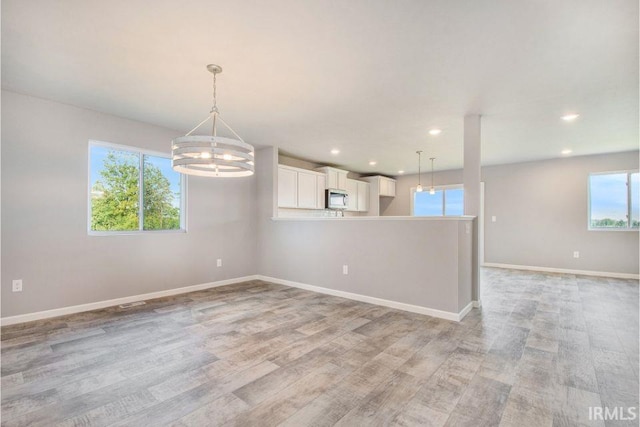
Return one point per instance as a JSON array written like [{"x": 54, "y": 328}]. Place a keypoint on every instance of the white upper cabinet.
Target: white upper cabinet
[
  {"x": 287, "y": 188},
  {"x": 300, "y": 188},
  {"x": 352, "y": 191},
  {"x": 335, "y": 178},
  {"x": 307, "y": 190},
  {"x": 380, "y": 186},
  {"x": 387, "y": 187},
  {"x": 321, "y": 186},
  {"x": 363, "y": 196},
  {"x": 358, "y": 195},
  {"x": 342, "y": 180}
]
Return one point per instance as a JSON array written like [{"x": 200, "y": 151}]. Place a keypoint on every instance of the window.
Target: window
[
  {"x": 614, "y": 201},
  {"x": 132, "y": 190},
  {"x": 447, "y": 201}
]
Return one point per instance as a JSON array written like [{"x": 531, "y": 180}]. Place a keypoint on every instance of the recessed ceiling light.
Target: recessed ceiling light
[
  {"x": 570, "y": 117},
  {"x": 567, "y": 151},
  {"x": 335, "y": 151},
  {"x": 373, "y": 163},
  {"x": 400, "y": 172},
  {"x": 435, "y": 132}
]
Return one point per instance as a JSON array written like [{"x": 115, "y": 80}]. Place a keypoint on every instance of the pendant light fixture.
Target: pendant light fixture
[
  {"x": 432, "y": 190},
  {"x": 419, "y": 187},
  {"x": 212, "y": 156}
]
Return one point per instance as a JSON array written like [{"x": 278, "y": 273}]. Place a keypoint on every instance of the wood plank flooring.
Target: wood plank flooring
[{"x": 540, "y": 352}]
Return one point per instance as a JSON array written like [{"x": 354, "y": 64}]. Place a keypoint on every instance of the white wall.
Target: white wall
[
  {"x": 541, "y": 209},
  {"x": 44, "y": 215},
  {"x": 423, "y": 262}
]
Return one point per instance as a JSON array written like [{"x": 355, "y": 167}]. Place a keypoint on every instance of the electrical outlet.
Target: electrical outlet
[
  {"x": 576, "y": 254},
  {"x": 345, "y": 269},
  {"x": 493, "y": 218},
  {"x": 17, "y": 285},
  {"x": 219, "y": 262}
]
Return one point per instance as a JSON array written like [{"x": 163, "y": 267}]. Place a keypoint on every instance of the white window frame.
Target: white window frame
[
  {"x": 628, "y": 227},
  {"x": 141, "y": 152},
  {"x": 442, "y": 188}
]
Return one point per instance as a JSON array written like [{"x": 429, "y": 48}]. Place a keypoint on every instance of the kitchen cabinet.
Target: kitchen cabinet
[
  {"x": 300, "y": 188},
  {"x": 380, "y": 186},
  {"x": 358, "y": 196},
  {"x": 320, "y": 186},
  {"x": 287, "y": 188},
  {"x": 352, "y": 191},
  {"x": 363, "y": 196},
  {"x": 335, "y": 178},
  {"x": 307, "y": 190},
  {"x": 387, "y": 187}
]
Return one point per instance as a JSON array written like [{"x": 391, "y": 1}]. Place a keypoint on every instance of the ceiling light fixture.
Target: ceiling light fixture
[
  {"x": 432, "y": 190},
  {"x": 335, "y": 151},
  {"x": 400, "y": 172},
  {"x": 373, "y": 163},
  {"x": 567, "y": 151},
  {"x": 419, "y": 187},
  {"x": 435, "y": 132},
  {"x": 570, "y": 117},
  {"x": 212, "y": 156}
]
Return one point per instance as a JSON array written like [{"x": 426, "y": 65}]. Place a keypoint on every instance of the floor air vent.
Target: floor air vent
[{"x": 132, "y": 304}]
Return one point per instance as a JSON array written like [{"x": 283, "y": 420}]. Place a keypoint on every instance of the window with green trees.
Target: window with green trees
[
  {"x": 133, "y": 190},
  {"x": 613, "y": 200}
]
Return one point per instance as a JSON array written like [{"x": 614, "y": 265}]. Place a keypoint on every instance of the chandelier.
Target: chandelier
[{"x": 212, "y": 156}]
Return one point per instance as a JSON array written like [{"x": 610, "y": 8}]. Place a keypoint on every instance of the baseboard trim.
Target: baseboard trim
[
  {"x": 29, "y": 317},
  {"x": 56, "y": 312},
  {"x": 564, "y": 270},
  {"x": 477, "y": 304},
  {"x": 448, "y": 315},
  {"x": 465, "y": 311}
]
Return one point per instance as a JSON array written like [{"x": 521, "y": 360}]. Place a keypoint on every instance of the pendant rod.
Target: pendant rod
[
  {"x": 432, "y": 159},
  {"x": 419, "y": 152}
]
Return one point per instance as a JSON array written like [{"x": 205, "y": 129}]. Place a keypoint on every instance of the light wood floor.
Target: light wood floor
[{"x": 543, "y": 349}]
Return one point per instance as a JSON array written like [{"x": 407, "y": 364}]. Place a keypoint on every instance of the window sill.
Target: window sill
[
  {"x": 614, "y": 229},
  {"x": 134, "y": 232}
]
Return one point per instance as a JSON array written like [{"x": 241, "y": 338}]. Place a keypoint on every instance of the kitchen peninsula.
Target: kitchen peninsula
[{"x": 418, "y": 264}]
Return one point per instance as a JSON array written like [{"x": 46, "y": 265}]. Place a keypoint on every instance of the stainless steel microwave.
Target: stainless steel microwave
[{"x": 336, "y": 199}]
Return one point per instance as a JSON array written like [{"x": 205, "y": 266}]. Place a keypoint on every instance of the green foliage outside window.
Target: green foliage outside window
[
  {"x": 115, "y": 195},
  {"x": 159, "y": 212}
]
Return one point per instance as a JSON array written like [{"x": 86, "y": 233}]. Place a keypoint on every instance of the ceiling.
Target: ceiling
[{"x": 368, "y": 77}]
